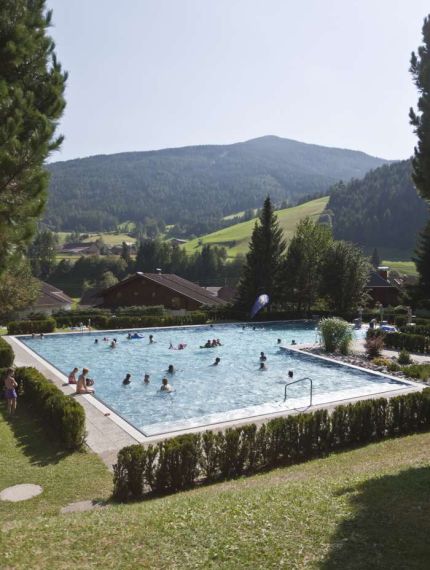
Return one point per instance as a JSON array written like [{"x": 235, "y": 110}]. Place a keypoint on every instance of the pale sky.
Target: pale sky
[{"x": 150, "y": 74}]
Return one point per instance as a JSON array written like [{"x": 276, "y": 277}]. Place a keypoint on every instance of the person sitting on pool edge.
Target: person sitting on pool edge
[
  {"x": 81, "y": 386},
  {"x": 127, "y": 379},
  {"x": 165, "y": 386},
  {"x": 72, "y": 376},
  {"x": 171, "y": 369},
  {"x": 146, "y": 379},
  {"x": 217, "y": 361}
]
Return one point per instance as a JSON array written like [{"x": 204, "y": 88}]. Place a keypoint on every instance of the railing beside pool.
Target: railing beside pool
[{"x": 305, "y": 379}]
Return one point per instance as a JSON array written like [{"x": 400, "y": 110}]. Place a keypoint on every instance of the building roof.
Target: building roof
[
  {"x": 376, "y": 280},
  {"x": 50, "y": 296},
  {"x": 176, "y": 284}
]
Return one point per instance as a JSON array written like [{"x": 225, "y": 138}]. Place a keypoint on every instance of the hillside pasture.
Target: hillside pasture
[{"x": 236, "y": 238}]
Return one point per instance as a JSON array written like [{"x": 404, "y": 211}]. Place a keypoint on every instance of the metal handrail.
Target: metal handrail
[{"x": 301, "y": 380}]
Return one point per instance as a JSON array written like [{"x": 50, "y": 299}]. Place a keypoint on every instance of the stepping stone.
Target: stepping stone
[
  {"x": 81, "y": 507},
  {"x": 20, "y": 492}
]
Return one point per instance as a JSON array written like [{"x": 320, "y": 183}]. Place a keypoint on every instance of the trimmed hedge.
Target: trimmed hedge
[
  {"x": 29, "y": 327},
  {"x": 6, "y": 354},
  {"x": 409, "y": 342},
  {"x": 61, "y": 413},
  {"x": 184, "y": 461},
  {"x": 126, "y": 322}
]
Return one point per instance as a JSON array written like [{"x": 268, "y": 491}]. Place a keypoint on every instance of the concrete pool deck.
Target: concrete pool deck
[{"x": 108, "y": 432}]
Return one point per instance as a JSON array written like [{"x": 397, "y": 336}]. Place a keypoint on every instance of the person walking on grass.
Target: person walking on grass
[{"x": 10, "y": 385}]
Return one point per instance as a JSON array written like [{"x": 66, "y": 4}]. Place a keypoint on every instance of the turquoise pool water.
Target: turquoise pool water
[{"x": 203, "y": 393}]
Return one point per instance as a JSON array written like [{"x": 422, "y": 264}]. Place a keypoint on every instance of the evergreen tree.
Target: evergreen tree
[
  {"x": 42, "y": 252},
  {"x": 420, "y": 69},
  {"x": 375, "y": 260},
  {"x": 261, "y": 271},
  {"x": 345, "y": 272},
  {"x": 301, "y": 272},
  {"x": 31, "y": 102},
  {"x": 422, "y": 261}
]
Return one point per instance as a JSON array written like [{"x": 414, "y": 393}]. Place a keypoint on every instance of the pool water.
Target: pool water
[{"x": 204, "y": 394}]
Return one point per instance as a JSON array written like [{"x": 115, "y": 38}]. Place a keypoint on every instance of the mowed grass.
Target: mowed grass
[
  {"x": 236, "y": 238},
  {"x": 362, "y": 509},
  {"x": 110, "y": 238},
  {"x": 403, "y": 267}
]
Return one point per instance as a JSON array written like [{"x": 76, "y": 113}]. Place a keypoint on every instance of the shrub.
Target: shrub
[
  {"x": 374, "y": 346},
  {"x": 6, "y": 354},
  {"x": 419, "y": 371},
  {"x": 61, "y": 413},
  {"x": 30, "y": 327},
  {"x": 404, "y": 357},
  {"x": 184, "y": 461},
  {"x": 336, "y": 334},
  {"x": 393, "y": 367},
  {"x": 379, "y": 361}
]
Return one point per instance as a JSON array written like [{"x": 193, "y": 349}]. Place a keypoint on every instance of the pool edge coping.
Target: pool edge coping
[{"x": 99, "y": 407}]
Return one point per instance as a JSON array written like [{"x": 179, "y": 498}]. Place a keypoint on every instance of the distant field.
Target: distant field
[
  {"x": 236, "y": 238},
  {"x": 110, "y": 238},
  {"x": 407, "y": 267}
]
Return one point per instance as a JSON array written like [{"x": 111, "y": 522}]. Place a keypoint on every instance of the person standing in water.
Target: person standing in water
[
  {"x": 165, "y": 386},
  {"x": 127, "y": 379}
]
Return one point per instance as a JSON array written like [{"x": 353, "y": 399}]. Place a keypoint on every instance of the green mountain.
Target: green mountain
[
  {"x": 193, "y": 186},
  {"x": 381, "y": 210}
]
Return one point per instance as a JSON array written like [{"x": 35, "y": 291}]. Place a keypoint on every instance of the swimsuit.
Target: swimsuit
[{"x": 10, "y": 394}]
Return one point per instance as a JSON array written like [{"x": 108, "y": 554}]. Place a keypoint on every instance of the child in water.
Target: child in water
[
  {"x": 127, "y": 379},
  {"x": 165, "y": 386}
]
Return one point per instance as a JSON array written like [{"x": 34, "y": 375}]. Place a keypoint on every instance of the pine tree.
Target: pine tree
[
  {"x": 261, "y": 271},
  {"x": 31, "y": 103},
  {"x": 422, "y": 261},
  {"x": 420, "y": 69},
  {"x": 375, "y": 260}
]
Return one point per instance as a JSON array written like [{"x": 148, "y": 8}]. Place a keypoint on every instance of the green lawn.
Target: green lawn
[
  {"x": 236, "y": 238},
  {"x": 403, "y": 267},
  {"x": 110, "y": 238},
  {"x": 364, "y": 509}
]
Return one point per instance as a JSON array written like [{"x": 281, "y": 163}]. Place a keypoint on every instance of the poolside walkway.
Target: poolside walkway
[{"x": 104, "y": 436}]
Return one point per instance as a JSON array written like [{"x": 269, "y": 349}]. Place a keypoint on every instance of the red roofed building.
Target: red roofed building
[{"x": 149, "y": 289}]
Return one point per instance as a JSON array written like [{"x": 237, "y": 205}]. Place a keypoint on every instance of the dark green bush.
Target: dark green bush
[
  {"x": 61, "y": 413},
  {"x": 182, "y": 462},
  {"x": 404, "y": 357},
  {"x": 29, "y": 327},
  {"x": 419, "y": 371},
  {"x": 6, "y": 354}
]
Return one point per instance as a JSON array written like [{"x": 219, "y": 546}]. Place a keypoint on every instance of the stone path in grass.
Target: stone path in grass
[{"x": 21, "y": 492}]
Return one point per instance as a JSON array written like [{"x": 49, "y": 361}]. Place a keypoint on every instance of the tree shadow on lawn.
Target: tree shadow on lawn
[
  {"x": 390, "y": 527},
  {"x": 33, "y": 438}
]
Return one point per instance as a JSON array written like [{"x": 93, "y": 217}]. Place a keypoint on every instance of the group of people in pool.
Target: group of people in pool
[
  {"x": 165, "y": 386},
  {"x": 212, "y": 343}
]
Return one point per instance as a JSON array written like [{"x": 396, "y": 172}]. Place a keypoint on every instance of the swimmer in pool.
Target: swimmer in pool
[
  {"x": 146, "y": 379},
  {"x": 127, "y": 379},
  {"x": 165, "y": 386},
  {"x": 217, "y": 361},
  {"x": 151, "y": 339},
  {"x": 263, "y": 366},
  {"x": 263, "y": 357},
  {"x": 96, "y": 341},
  {"x": 113, "y": 344},
  {"x": 293, "y": 342},
  {"x": 279, "y": 341},
  {"x": 290, "y": 374},
  {"x": 171, "y": 369}
]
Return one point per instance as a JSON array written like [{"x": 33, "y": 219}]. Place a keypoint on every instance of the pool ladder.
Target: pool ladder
[{"x": 305, "y": 379}]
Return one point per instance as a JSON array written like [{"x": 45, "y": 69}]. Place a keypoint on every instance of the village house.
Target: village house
[
  {"x": 50, "y": 299},
  {"x": 149, "y": 289},
  {"x": 381, "y": 288}
]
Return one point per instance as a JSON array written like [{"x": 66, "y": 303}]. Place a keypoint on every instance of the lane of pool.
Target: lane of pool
[{"x": 205, "y": 394}]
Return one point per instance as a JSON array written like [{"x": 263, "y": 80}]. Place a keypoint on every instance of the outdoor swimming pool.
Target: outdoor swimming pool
[{"x": 205, "y": 394}]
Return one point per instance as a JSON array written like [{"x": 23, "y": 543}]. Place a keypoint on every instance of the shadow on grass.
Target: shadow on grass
[
  {"x": 36, "y": 442},
  {"x": 390, "y": 528}
]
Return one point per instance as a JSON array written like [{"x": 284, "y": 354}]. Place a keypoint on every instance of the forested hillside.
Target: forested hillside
[
  {"x": 193, "y": 186},
  {"x": 381, "y": 210}
]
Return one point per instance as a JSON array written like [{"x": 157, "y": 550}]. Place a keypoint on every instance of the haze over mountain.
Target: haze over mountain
[{"x": 198, "y": 183}]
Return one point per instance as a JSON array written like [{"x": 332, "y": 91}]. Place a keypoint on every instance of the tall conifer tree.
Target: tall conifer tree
[
  {"x": 31, "y": 103},
  {"x": 261, "y": 271},
  {"x": 420, "y": 69}
]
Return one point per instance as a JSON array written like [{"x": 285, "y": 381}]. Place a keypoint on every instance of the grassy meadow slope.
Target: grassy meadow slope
[
  {"x": 361, "y": 509},
  {"x": 236, "y": 238}
]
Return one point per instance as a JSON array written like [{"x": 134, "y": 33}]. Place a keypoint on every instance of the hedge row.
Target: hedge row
[
  {"x": 30, "y": 327},
  {"x": 420, "y": 329},
  {"x": 61, "y": 413},
  {"x": 104, "y": 322},
  {"x": 6, "y": 354},
  {"x": 184, "y": 461},
  {"x": 409, "y": 342}
]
